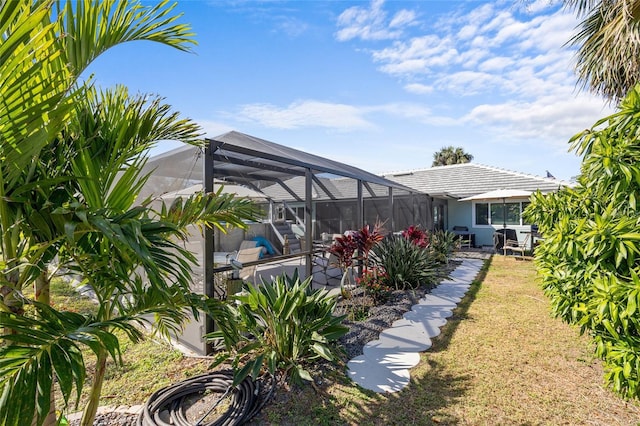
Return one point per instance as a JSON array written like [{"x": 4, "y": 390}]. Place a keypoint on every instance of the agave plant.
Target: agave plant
[{"x": 281, "y": 326}]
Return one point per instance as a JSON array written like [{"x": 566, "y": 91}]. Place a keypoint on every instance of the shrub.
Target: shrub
[
  {"x": 280, "y": 325},
  {"x": 406, "y": 264},
  {"x": 588, "y": 261},
  {"x": 443, "y": 243}
]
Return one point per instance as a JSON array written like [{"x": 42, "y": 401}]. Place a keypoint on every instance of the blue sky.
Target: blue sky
[{"x": 378, "y": 84}]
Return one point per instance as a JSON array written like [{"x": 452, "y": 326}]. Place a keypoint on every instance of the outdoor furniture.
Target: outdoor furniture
[
  {"x": 510, "y": 243},
  {"x": 246, "y": 255},
  {"x": 504, "y": 240},
  {"x": 466, "y": 238}
]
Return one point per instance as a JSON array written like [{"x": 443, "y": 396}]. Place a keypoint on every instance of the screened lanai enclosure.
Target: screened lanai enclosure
[{"x": 305, "y": 198}]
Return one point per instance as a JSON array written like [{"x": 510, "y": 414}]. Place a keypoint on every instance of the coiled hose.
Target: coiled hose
[{"x": 247, "y": 399}]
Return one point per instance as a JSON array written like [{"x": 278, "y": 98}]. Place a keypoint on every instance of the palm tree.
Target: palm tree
[
  {"x": 43, "y": 52},
  {"x": 608, "y": 57},
  {"x": 449, "y": 155},
  {"x": 131, "y": 254},
  {"x": 50, "y": 204}
]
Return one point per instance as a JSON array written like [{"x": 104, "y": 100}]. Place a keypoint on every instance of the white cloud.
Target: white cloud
[
  {"x": 403, "y": 18},
  {"x": 403, "y": 110},
  {"x": 549, "y": 118},
  {"x": 306, "y": 113},
  {"x": 497, "y": 63},
  {"x": 291, "y": 26},
  {"x": 417, "y": 56},
  {"x": 469, "y": 82},
  {"x": 468, "y": 32},
  {"x": 371, "y": 23},
  {"x": 420, "y": 89}
]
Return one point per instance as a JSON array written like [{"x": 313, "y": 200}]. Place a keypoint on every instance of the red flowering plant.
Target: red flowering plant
[
  {"x": 343, "y": 248},
  {"x": 373, "y": 283},
  {"x": 366, "y": 239},
  {"x": 417, "y": 236}
]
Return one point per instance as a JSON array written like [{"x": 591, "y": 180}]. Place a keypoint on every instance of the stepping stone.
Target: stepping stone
[
  {"x": 406, "y": 338},
  {"x": 393, "y": 360},
  {"x": 462, "y": 275},
  {"x": 398, "y": 340},
  {"x": 457, "y": 283},
  {"x": 437, "y": 300},
  {"x": 452, "y": 287},
  {"x": 456, "y": 297},
  {"x": 377, "y": 378},
  {"x": 444, "y": 311},
  {"x": 428, "y": 325},
  {"x": 449, "y": 292}
]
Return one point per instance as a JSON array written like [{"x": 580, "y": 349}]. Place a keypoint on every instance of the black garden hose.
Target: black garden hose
[{"x": 247, "y": 399}]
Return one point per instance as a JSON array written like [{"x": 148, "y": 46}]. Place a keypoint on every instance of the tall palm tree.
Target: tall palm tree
[
  {"x": 608, "y": 41},
  {"x": 450, "y": 155},
  {"x": 43, "y": 51},
  {"x": 131, "y": 254}
]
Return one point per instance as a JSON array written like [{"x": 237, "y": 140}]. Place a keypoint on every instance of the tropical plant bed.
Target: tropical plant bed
[{"x": 366, "y": 320}]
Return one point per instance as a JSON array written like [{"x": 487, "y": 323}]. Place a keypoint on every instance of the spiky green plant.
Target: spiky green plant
[
  {"x": 281, "y": 325},
  {"x": 442, "y": 245},
  {"x": 406, "y": 264}
]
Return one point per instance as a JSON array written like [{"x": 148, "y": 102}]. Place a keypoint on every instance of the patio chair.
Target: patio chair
[
  {"x": 245, "y": 255},
  {"x": 506, "y": 240},
  {"x": 517, "y": 247}
]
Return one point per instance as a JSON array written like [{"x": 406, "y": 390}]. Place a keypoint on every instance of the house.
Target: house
[{"x": 448, "y": 185}]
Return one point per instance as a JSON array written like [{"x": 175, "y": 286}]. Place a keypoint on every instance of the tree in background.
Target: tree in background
[
  {"x": 608, "y": 41},
  {"x": 589, "y": 260},
  {"x": 450, "y": 155}
]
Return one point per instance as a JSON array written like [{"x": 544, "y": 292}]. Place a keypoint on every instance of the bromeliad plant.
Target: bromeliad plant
[
  {"x": 281, "y": 326},
  {"x": 356, "y": 246}
]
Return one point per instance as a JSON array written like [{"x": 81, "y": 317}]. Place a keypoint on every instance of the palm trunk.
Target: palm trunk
[
  {"x": 43, "y": 295},
  {"x": 89, "y": 413}
]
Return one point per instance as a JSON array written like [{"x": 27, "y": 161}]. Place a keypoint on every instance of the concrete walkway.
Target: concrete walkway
[{"x": 385, "y": 364}]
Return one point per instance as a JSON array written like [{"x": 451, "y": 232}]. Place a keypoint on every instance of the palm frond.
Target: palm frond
[
  {"x": 91, "y": 28},
  {"x": 217, "y": 209},
  {"x": 39, "y": 348},
  {"x": 608, "y": 42}
]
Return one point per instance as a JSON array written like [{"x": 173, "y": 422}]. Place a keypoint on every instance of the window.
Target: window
[
  {"x": 499, "y": 213},
  {"x": 482, "y": 214}
]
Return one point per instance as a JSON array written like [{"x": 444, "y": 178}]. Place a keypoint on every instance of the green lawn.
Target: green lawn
[{"x": 501, "y": 359}]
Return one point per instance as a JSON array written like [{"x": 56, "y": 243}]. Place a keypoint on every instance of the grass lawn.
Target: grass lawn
[{"x": 501, "y": 359}]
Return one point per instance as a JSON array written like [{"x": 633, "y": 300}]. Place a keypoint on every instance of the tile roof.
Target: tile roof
[{"x": 465, "y": 180}]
